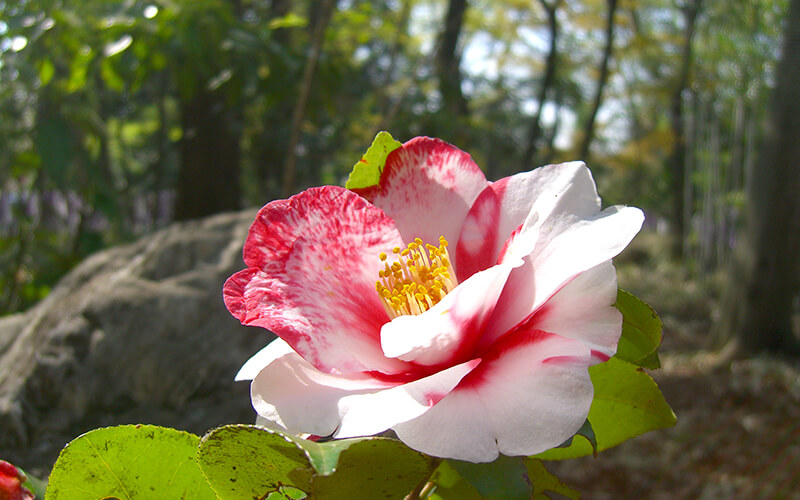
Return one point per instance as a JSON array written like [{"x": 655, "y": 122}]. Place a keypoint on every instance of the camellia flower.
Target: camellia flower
[
  {"x": 460, "y": 313},
  {"x": 11, "y": 481}
]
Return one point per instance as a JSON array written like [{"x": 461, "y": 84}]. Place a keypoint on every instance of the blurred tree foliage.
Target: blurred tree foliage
[{"x": 117, "y": 117}]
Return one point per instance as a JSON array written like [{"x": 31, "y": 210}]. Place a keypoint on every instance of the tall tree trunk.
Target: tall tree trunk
[
  {"x": 757, "y": 307},
  {"x": 322, "y": 20},
  {"x": 448, "y": 60},
  {"x": 588, "y": 128},
  {"x": 384, "y": 103},
  {"x": 208, "y": 176},
  {"x": 676, "y": 166},
  {"x": 535, "y": 134}
]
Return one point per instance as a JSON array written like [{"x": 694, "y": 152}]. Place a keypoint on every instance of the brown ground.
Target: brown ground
[{"x": 738, "y": 430}]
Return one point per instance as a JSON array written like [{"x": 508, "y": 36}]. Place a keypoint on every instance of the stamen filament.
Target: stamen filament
[{"x": 420, "y": 277}]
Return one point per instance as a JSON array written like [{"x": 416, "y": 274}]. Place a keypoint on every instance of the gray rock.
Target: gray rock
[{"x": 134, "y": 334}]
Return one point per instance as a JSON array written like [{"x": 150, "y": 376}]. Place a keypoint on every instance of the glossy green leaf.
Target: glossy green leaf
[
  {"x": 35, "y": 485},
  {"x": 244, "y": 461},
  {"x": 366, "y": 468},
  {"x": 627, "y": 403},
  {"x": 504, "y": 479},
  {"x": 545, "y": 483},
  {"x": 587, "y": 432},
  {"x": 367, "y": 172},
  {"x": 641, "y": 331},
  {"x": 129, "y": 461},
  {"x": 450, "y": 485}
]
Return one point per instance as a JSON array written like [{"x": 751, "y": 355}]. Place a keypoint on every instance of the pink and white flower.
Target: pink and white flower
[{"x": 463, "y": 314}]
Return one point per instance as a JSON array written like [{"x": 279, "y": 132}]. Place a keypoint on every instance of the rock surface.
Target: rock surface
[{"x": 135, "y": 334}]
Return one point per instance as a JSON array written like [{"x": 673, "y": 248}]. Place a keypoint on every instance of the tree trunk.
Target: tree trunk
[
  {"x": 290, "y": 163},
  {"x": 757, "y": 307},
  {"x": 448, "y": 60},
  {"x": 588, "y": 128},
  {"x": 208, "y": 176},
  {"x": 535, "y": 134},
  {"x": 676, "y": 166}
]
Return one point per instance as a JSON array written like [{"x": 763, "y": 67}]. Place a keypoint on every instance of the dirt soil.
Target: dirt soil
[{"x": 738, "y": 429}]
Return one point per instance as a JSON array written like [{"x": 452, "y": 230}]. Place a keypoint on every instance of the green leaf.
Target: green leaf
[
  {"x": 244, "y": 461},
  {"x": 367, "y": 172},
  {"x": 290, "y": 20},
  {"x": 35, "y": 485},
  {"x": 504, "y": 479},
  {"x": 586, "y": 432},
  {"x": 451, "y": 485},
  {"x": 544, "y": 482},
  {"x": 641, "y": 332},
  {"x": 46, "y": 71},
  {"x": 366, "y": 468},
  {"x": 129, "y": 461},
  {"x": 627, "y": 403}
]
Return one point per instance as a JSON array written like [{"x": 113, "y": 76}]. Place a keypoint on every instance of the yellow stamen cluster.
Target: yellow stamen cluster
[{"x": 420, "y": 277}]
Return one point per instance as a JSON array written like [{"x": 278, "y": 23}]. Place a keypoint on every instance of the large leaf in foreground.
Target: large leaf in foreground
[
  {"x": 243, "y": 461},
  {"x": 366, "y": 468},
  {"x": 510, "y": 477},
  {"x": 627, "y": 403},
  {"x": 129, "y": 461},
  {"x": 504, "y": 479}
]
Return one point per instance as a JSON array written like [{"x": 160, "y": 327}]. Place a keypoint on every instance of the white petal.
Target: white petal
[
  {"x": 294, "y": 395},
  {"x": 563, "y": 247},
  {"x": 291, "y": 394},
  {"x": 583, "y": 310},
  {"x": 448, "y": 332},
  {"x": 262, "y": 358},
  {"x": 367, "y": 414},
  {"x": 531, "y": 394}
]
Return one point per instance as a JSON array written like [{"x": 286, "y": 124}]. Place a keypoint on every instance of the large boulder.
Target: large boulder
[{"x": 135, "y": 334}]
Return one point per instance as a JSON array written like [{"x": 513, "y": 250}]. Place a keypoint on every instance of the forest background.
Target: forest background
[{"x": 118, "y": 117}]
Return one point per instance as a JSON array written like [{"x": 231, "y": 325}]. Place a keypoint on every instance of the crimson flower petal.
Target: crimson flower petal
[
  {"x": 319, "y": 294},
  {"x": 427, "y": 187}
]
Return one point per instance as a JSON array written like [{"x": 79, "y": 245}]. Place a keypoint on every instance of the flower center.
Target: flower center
[{"x": 420, "y": 277}]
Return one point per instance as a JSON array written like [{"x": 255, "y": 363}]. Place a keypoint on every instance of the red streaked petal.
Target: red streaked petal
[
  {"x": 530, "y": 393},
  {"x": 476, "y": 250},
  {"x": 319, "y": 295},
  {"x": 449, "y": 331},
  {"x": 427, "y": 187}
]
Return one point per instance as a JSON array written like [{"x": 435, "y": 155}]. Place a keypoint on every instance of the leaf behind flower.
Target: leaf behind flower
[
  {"x": 627, "y": 403},
  {"x": 367, "y": 172},
  {"x": 641, "y": 331}
]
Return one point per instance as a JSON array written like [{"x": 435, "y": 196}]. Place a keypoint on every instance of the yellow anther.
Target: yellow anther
[{"x": 418, "y": 280}]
